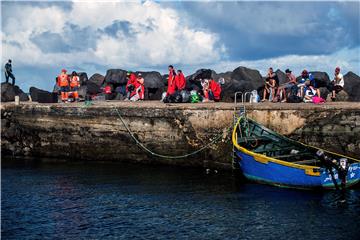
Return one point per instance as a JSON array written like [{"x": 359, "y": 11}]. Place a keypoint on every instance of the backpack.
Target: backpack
[{"x": 294, "y": 99}]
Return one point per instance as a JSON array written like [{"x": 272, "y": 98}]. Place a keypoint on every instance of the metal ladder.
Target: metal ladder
[{"x": 242, "y": 112}]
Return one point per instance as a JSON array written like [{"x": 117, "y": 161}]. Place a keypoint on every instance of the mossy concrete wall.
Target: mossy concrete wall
[{"x": 95, "y": 133}]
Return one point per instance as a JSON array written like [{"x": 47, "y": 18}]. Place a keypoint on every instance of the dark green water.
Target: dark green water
[{"x": 74, "y": 201}]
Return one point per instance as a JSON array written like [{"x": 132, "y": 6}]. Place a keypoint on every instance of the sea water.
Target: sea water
[{"x": 118, "y": 201}]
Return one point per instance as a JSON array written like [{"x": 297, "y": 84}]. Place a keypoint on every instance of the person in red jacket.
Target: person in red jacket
[
  {"x": 74, "y": 85},
  {"x": 212, "y": 90},
  {"x": 130, "y": 85},
  {"x": 171, "y": 81},
  {"x": 180, "y": 81},
  {"x": 139, "y": 89}
]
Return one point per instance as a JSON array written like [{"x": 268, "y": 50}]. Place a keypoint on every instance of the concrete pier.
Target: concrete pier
[{"x": 95, "y": 133}]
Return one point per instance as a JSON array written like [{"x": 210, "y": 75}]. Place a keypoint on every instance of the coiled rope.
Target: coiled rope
[{"x": 168, "y": 156}]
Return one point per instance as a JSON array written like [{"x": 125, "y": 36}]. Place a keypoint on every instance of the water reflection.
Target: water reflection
[{"x": 119, "y": 201}]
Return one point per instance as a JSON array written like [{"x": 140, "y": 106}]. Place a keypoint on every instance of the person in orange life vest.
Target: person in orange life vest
[
  {"x": 139, "y": 89},
  {"x": 180, "y": 81},
  {"x": 171, "y": 82},
  {"x": 130, "y": 85},
  {"x": 74, "y": 85},
  {"x": 212, "y": 90},
  {"x": 63, "y": 83}
]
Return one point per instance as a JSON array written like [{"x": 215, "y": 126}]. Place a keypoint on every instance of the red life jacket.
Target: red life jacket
[
  {"x": 180, "y": 81},
  {"x": 171, "y": 83},
  {"x": 132, "y": 80},
  {"x": 215, "y": 88},
  {"x": 63, "y": 80},
  {"x": 75, "y": 81}
]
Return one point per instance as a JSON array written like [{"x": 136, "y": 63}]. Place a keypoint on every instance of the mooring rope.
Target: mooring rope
[{"x": 168, "y": 156}]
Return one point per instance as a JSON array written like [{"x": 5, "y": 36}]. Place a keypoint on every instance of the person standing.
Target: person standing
[
  {"x": 74, "y": 85},
  {"x": 180, "y": 81},
  {"x": 63, "y": 83},
  {"x": 171, "y": 90},
  {"x": 8, "y": 72},
  {"x": 337, "y": 84}
]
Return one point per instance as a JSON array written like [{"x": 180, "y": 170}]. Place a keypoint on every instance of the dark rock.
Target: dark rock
[
  {"x": 324, "y": 92},
  {"x": 97, "y": 79},
  {"x": 351, "y": 86},
  {"x": 242, "y": 79},
  {"x": 117, "y": 76},
  {"x": 8, "y": 93},
  {"x": 154, "y": 85},
  {"x": 193, "y": 80},
  {"x": 90, "y": 88},
  {"x": 83, "y": 77},
  {"x": 23, "y": 97},
  {"x": 42, "y": 96},
  {"x": 281, "y": 76}
]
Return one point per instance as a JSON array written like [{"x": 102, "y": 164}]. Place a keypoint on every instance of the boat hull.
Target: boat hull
[{"x": 277, "y": 174}]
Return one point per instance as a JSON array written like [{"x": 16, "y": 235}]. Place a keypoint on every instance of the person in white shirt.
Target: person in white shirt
[{"x": 337, "y": 84}]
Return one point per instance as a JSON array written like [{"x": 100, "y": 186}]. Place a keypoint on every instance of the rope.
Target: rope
[{"x": 167, "y": 156}]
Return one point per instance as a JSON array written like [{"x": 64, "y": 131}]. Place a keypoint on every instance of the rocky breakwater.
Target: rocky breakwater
[{"x": 78, "y": 133}]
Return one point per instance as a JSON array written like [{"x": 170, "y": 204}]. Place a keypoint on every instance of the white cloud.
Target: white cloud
[{"x": 158, "y": 35}]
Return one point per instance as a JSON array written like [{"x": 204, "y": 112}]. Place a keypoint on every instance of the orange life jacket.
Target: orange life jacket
[
  {"x": 63, "y": 80},
  {"x": 75, "y": 81}
]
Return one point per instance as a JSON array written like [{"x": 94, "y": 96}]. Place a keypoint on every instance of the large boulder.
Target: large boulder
[
  {"x": 8, "y": 93},
  {"x": 351, "y": 86},
  {"x": 83, "y": 77},
  {"x": 90, "y": 88},
  {"x": 116, "y": 76},
  {"x": 42, "y": 96},
  {"x": 281, "y": 76},
  {"x": 97, "y": 79},
  {"x": 242, "y": 79},
  {"x": 154, "y": 85}
]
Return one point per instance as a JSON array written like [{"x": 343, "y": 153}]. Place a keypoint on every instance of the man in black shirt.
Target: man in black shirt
[{"x": 8, "y": 72}]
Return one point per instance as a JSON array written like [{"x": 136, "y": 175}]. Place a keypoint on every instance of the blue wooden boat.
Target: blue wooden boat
[{"x": 267, "y": 157}]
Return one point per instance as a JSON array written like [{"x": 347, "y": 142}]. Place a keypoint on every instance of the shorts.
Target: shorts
[
  {"x": 64, "y": 89},
  {"x": 288, "y": 85},
  {"x": 337, "y": 88},
  {"x": 74, "y": 88}
]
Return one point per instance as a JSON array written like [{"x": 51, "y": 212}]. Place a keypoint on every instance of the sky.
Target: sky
[{"x": 43, "y": 37}]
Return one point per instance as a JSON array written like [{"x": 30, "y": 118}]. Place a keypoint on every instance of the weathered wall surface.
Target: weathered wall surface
[{"x": 95, "y": 133}]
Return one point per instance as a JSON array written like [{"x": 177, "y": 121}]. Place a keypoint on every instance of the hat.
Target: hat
[
  {"x": 139, "y": 75},
  {"x": 337, "y": 69},
  {"x": 63, "y": 70},
  {"x": 288, "y": 71}
]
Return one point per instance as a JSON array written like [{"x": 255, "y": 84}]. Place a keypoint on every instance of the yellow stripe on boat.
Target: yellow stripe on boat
[{"x": 309, "y": 170}]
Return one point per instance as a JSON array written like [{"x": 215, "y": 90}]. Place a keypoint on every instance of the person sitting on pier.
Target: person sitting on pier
[
  {"x": 310, "y": 91},
  {"x": 130, "y": 85},
  {"x": 283, "y": 90},
  {"x": 270, "y": 85},
  {"x": 138, "y": 92},
  {"x": 212, "y": 90},
  {"x": 74, "y": 85},
  {"x": 63, "y": 83},
  {"x": 337, "y": 84},
  {"x": 301, "y": 83}
]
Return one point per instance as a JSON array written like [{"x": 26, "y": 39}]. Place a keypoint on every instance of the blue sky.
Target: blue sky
[{"x": 43, "y": 37}]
